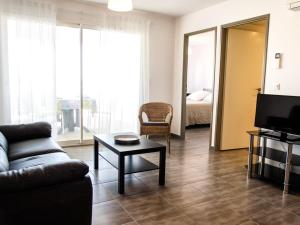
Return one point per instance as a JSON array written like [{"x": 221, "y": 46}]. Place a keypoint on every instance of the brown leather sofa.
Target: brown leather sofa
[{"x": 39, "y": 183}]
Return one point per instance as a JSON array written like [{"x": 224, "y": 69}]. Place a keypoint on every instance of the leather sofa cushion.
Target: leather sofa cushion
[
  {"x": 4, "y": 165},
  {"x": 3, "y": 142},
  {"x": 32, "y": 147},
  {"x": 43, "y": 173},
  {"x": 16, "y": 133},
  {"x": 38, "y": 160}
]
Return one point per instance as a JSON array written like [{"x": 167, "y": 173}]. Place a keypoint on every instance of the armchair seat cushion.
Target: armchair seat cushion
[
  {"x": 155, "y": 130},
  {"x": 155, "y": 124},
  {"x": 38, "y": 160},
  {"x": 32, "y": 147}
]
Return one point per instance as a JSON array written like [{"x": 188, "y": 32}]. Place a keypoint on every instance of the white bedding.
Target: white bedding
[{"x": 198, "y": 112}]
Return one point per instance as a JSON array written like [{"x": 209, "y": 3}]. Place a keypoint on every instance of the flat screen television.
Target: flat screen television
[{"x": 279, "y": 113}]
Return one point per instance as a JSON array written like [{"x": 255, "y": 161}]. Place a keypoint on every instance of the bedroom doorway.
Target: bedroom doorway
[
  {"x": 243, "y": 66},
  {"x": 198, "y": 81}
]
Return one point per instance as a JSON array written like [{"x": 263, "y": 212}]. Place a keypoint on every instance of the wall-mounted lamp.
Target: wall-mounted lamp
[{"x": 294, "y": 5}]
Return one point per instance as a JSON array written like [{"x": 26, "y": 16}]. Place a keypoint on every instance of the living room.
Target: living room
[{"x": 94, "y": 102}]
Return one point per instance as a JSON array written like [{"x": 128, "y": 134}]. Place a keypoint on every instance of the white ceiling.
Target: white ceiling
[{"x": 170, "y": 7}]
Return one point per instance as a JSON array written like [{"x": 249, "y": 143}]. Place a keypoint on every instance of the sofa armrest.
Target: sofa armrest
[
  {"x": 43, "y": 175},
  {"x": 23, "y": 132},
  {"x": 62, "y": 204}
]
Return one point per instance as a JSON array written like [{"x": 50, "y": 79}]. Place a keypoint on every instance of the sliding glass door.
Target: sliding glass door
[
  {"x": 68, "y": 83},
  {"x": 98, "y": 82}
]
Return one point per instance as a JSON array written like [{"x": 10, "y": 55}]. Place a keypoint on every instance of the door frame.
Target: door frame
[
  {"x": 224, "y": 32},
  {"x": 184, "y": 77}
]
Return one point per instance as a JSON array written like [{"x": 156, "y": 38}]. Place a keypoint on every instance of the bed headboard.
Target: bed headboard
[{"x": 208, "y": 90}]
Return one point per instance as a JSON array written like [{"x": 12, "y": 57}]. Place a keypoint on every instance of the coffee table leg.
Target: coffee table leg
[
  {"x": 121, "y": 174},
  {"x": 96, "y": 154},
  {"x": 162, "y": 166}
]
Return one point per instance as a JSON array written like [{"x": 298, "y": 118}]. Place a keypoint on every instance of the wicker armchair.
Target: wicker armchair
[{"x": 159, "y": 118}]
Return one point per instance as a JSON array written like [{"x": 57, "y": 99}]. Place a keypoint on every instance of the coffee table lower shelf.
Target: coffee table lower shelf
[
  {"x": 133, "y": 163},
  {"x": 127, "y": 159}
]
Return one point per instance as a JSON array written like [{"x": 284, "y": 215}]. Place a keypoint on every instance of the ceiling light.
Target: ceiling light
[{"x": 120, "y": 5}]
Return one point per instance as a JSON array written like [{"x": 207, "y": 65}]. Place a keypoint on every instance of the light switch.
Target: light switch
[{"x": 278, "y": 57}]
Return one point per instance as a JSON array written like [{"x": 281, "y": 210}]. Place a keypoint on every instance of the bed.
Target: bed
[{"x": 198, "y": 110}]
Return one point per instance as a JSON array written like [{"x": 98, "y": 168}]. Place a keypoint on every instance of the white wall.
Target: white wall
[
  {"x": 284, "y": 36},
  {"x": 161, "y": 41},
  {"x": 201, "y": 59}
]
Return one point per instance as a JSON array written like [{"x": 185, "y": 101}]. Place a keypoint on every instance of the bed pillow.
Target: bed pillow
[{"x": 198, "y": 95}]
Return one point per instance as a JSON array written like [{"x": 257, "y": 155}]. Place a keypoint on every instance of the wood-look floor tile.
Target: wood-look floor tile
[
  {"x": 250, "y": 206},
  {"x": 93, "y": 179},
  {"x": 131, "y": 223},
  {"x": 133, "y": 186},
  {"x": 273, "y": 194},
  {"x": 147, "y": 173},
  {"x": 145, "y": 205},
  {"x": 211, "y": 185},
  {"x": 278, "y": 217},
  {"x": 249, "y": 222},
  {"x": 202, "y": 187},
  {"x": 151, "y": 182},
  {"x": 108, "y": 175},
  {"x": 83, "y": 153},
  {"x": 216, "y": 211},
  {"x": 295, "y": 208},
  {"x": 103, "y": 164},
  {"x": 172, "y": 217},
  {"x": 247, "y": 184},
  {"x": 286, "y": 200},
  {"x": 185, "y": 196},
  {"x": 101, "y": 194},
  {"x": 110, "y": 213}
]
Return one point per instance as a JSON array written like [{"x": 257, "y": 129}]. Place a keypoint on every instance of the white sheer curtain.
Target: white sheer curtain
[
  {"x": 27, "y": 51},
  {"x": 119, "y": 79}
]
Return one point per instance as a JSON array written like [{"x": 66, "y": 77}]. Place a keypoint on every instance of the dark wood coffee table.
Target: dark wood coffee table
[{"x": 125, "y": 157}]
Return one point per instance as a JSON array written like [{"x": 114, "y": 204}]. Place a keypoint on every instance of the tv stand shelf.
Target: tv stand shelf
[
  {"x": 291, "y": 139},
  {"x": 287, "y": 160},
  {"x": 276, "y": 155},
  {"x": 277, "y": 137}
]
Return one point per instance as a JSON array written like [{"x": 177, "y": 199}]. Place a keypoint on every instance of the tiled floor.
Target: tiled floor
[{"x": 202, "y": 187}]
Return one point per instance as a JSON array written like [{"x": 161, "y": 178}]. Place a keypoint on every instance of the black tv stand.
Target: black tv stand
[
  {"x": 282, "y": 157},
  {"x": 282, "y": 136}
]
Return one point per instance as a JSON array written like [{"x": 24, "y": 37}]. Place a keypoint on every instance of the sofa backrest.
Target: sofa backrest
[
  {"x": 4, "y": 164},
  {"x": 22, "y": 132}
]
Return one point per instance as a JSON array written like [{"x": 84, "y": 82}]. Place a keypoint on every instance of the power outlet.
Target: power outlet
[{"x": 278, "y": 87}]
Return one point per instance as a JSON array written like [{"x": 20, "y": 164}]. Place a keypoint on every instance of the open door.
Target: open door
[{"x": 244, "y": 72}]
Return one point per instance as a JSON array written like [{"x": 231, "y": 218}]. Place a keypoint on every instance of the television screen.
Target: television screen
[{"x": 279, "y": 113}]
